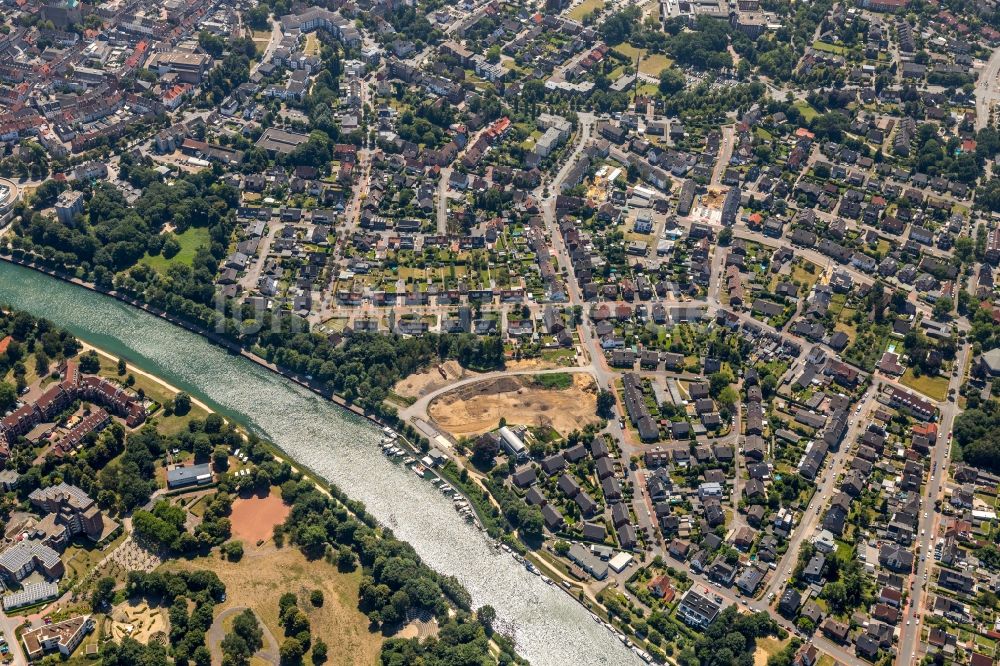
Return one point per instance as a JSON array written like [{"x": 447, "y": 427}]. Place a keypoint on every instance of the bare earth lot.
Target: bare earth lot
[
  {"x": 254, "y": 518},
  {"x": 431, "y": 379},
  {"x": 471, "y": 410}
]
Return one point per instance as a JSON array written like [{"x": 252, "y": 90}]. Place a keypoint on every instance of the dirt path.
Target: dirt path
[{"x": 217, "y": 632}]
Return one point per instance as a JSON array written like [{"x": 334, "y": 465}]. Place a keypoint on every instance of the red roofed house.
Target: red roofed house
[{"x": 661, "y": 588}]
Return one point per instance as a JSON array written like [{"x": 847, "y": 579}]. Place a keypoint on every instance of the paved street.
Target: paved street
[
  {"x": 914, "y": 615},
  {"x": 987, "y": 89}
]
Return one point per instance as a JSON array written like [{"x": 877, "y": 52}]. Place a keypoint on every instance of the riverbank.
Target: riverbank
[
  {"x": 212, "y": 336},
  {"x": 86, "y": 346}
]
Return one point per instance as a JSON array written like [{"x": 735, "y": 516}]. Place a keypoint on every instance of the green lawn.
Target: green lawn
[
  {"x": 933, "y": 387},
  {"x": 849, "y": 328},
  {"x": 584, "y": 8},
  {"x": 654, "y": 63},
  {"x": 189, "y": 241},
  {"x": 805, "y": 108},
  {"x": 651, "y": 63},
  {"x": 558, "y": 380},
  {"x": 829, "y": 48},
  {"x": 312, "y": 44}
]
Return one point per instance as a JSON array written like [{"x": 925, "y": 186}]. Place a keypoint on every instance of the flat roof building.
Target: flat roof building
[
  {"x": 281, "y": 142},
  {"x": 30, "y": 594},
  {"x": 189, "y": 67},
  {"x": 697, "y": 610},
  {"x": 184, "y": 477}
]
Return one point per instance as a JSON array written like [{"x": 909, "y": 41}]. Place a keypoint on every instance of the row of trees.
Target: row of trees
[
  {"x": 395, "y": 579},
  {"x": 368, "y": 365},
  {"x": 298, "y": 635}
]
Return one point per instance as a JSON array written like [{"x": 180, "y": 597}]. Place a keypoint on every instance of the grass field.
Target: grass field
[
  {"x": 932, "y": 387},
  {"x": 261, "y": 577},
  {"x": 849, "y": 328},
  {"x": 260, "y": 39},
  {"x": 189, "y": 241},
  {"x": 805, "y": 108},
  {"x": 829, "y": 48},
  {"x": 651, "y": 64},
  {"x": 654, "y": 63},
  {"x": 767, "y": 647},
  {"x": 312, "y": 44},
  {"x": 584, "y": 8},
  {"x": 559, "y": 380},
  {"x": 802, "y": 273},
  {"x": 30, "y": 374},
  {"x": 559, "y": 356}
]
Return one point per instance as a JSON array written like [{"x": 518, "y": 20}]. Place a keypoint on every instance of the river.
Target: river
[{"x": 549, "y": 627}]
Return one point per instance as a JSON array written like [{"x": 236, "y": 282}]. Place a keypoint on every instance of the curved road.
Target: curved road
[{"x": 420, "y": 407}]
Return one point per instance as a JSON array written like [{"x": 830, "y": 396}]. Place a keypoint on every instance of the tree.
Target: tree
[
  {"x": 41, "y": 363},
  {"x": 617, "y": 27},
  {"x": 233, "y": 551},
  {"x": 319, "y": 652},
  {"x": 121, "y": 367},
  {"x": 213, "y": 423},
  {"x": 8, "y": 396},
  {"x": 316, "y": 598},
  {"x": 291, "y": 652},
  {"x": 606, "y": 404},
  {"x": 130, "y": 652},
  {"x": 90, "y": 363},
  {"x": 943, "y": 307},
  {"x": 220, "y": 458},
  {"x": 258, "y": 17},
  {"x": 487, "y": 615},
  {"x": 728, "y": 396},
  {"x": 170, "y": 247},
  {"x": 718, "y": 381},
  {"x": 484, "y": 450},
  {"x": 235, "y": 651},
  {"x": 345, "y": 561},
  {"x": 182, "y": 404},
  {"x": 248, "y": 628},
  {"x": 725, "y": 236},
  {"x": 104, "y": 592},
  {"x": 671, "y": 81}
]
